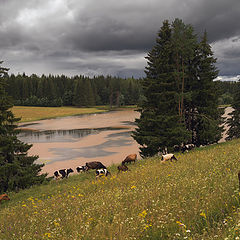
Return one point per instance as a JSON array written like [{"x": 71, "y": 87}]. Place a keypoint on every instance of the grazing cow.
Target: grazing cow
[
  {"x": 102, "y": 172},
  {"x": 169, "y": 156},
  {"x": 177, "y": 148},
  {"x": 130, "y": 158},
  {"x": 56, "y": 174},
  {"x": 63, "y": 172},
  {"x": 94, "y": 165},
  {"x": 4, "y": 197},
  {"x": 183, "y": 148},
  {"x": 187, "y": 147},
  {"x": 81, "y": 169},
  {"x": 123, "y": 168}
]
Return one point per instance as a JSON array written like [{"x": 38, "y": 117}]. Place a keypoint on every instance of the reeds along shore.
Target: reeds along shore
[{"x": 196, "y": 197}]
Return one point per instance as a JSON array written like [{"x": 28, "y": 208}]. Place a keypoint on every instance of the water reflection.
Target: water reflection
[
  {"x": 71, "y": 135},
  {"x": 93, "y": 151}
]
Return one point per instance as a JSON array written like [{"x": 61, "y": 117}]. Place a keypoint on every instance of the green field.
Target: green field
[
  {"x": 28, "y": 114},
  {"x": 196, "y": 197}
]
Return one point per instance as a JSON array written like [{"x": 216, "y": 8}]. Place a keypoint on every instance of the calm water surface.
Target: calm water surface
[{"x": 73, "y": 141}]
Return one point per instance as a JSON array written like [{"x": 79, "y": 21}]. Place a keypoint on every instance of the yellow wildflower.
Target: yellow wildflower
[
  {"x": 132, "y": 187},
  {"x": 180, "y": 224},
  {"x": 147, "y": 226},
  {"x": 56, "y": 224},
  {"x": 143, "y": 214},
  {"x": 203, "y": 214},
  {"x": 48, "y": 235}
]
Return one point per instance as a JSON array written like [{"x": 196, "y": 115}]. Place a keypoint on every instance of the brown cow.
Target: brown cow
[
  {"x": 123, "y": 168},
  {"x": 94, "y": 165},
  {"x": 130, "y": 158},
  {"x": 4, "y": 197}
]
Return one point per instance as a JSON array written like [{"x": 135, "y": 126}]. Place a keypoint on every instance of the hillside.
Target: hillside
[{"x": 196, "y": 197}]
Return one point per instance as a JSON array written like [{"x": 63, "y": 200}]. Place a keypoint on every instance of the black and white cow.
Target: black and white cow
[
  {"x": 81, "y": 169},
  {"x": 187, "y": 147},
  {"x": 63, "y": 172},
  {"x": 102, "y": 172},
  {"x": 183, "y": 148}
]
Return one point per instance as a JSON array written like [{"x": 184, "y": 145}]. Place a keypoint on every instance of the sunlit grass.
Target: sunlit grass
[
  {"x": 189, "y": 199},
  {"x": 28, "y": 114}
]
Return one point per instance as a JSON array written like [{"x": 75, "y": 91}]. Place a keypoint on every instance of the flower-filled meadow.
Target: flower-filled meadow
[{"x": 196, "y": 197}]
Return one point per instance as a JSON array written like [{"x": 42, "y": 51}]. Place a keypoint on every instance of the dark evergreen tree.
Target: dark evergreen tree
[
  {"x": 17, "y": 169},
  {"x": 206, "y": 114},
  {"x": 77, "y": 98},
  {"x": 234, "y": 120},
  {"x": 67, "y": 98},
  {"x": 160, "y": 123},
  {"x": 89, "y": 93}
]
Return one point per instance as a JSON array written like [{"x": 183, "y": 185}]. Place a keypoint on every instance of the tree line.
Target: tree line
[
  {"x": 55, "y": 91},
  {"x": 72, "y": 91}
]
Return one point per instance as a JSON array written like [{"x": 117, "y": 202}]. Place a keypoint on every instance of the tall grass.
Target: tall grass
[
  {"x": 188, "y": 199},
  {"x": 28, "y": 114}
]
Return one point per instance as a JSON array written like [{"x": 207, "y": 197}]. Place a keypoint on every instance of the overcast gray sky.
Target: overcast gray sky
[{"x": 93, "y": 37}]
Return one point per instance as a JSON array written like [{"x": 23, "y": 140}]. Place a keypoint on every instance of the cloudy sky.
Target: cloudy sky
[{"x": 94, "y": 37}]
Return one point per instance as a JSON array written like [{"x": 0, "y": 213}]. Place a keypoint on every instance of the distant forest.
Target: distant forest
[
  {"x": 73, "y": 91},
  {"x": 227, "y": 90},
  {"x": 83, "y": 91}
]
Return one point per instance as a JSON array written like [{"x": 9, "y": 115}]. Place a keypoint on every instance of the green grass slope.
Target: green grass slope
[{"x": 196, "y": 197}]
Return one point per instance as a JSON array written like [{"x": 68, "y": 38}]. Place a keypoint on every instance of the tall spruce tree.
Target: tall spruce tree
[
  {"x": 17, "y": 169},
  {"x": 234, "y": 120},
  {"x": 206, "y": 114},
  {"x": 160, "y": 124}
]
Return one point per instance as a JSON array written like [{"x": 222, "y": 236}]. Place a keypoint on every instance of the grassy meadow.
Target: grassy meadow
[
  {"x": 28, "y": 114},
  {"x": 196, "y": 197}
]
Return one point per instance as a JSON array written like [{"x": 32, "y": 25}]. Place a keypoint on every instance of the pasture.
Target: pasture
[
  {"x": 196, "y": 197},
  {"x": 28, "y": 114}
]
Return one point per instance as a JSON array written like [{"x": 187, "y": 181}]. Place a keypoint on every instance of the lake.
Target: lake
[{"x": 72, "y": 141}]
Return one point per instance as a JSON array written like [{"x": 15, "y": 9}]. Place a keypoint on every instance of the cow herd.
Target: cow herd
[{"x": 101, "y": 170}]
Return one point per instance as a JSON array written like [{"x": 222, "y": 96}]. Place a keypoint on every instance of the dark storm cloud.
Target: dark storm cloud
[
  {"x": 219, "y": 17},
  {"x": 108, "y": 36},
  {"x": 118, "y": 26}
]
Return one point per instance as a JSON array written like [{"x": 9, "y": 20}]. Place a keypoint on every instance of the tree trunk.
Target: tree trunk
[{"x": 182, "y": 90}]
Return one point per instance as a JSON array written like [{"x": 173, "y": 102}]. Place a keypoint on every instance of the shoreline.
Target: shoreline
[{"x": 28, "y": 113}]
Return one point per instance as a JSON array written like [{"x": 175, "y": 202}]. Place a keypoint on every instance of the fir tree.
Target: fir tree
[
  {"x": 160, "y": 124},
  {"x": 234, "y": 120},
  {"x": 17, "y": 169},
  {"x": 207, "y": 116},
  {"x": 77, "y": 99}
]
